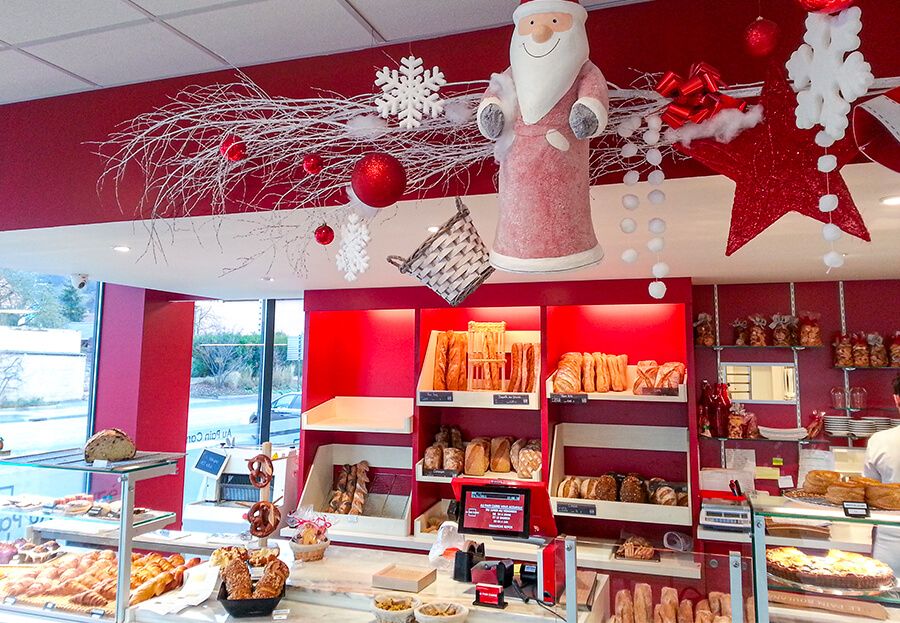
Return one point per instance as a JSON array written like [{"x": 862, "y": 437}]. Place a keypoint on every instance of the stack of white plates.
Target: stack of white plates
[
  {"x": 837, "y": 425},
  {"x": 783, "y": 434},
  {"x": 863, "y": 427},
  {"x": 895, "y": 422},
  {"x": 881, "y": 423}
]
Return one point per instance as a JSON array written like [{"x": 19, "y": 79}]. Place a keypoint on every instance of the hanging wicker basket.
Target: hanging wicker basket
[{"x": 453, "y": 262}]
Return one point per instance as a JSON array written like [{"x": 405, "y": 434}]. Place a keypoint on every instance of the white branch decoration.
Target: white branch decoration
[{"x": 177, "y": 150}]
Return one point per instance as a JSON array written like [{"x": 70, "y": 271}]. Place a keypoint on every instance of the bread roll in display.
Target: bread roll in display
[
  {"x": 434, "y": 458},
  {"x": 529, "y": 462},
  {"x": 500, "y": 459},
  {"x": 477, "y": 459},
  {"x": 570, "y": 487},
  {"x": 514, "y": 451},
  {"x": 454, "y": 460}
]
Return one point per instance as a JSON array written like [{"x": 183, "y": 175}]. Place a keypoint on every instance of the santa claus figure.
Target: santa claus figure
[{"x": 542, "y": 112}]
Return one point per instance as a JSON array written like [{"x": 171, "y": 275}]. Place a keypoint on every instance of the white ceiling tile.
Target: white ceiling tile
[
  {"x": 23, "y": 78},
  {"x": 274, "y": 30},
  {"x": 402, "y": 19},
  {"x": 166, "y": 7},
  {"x": 126, "y": 55},
  {"x": 30, "y": 20}
]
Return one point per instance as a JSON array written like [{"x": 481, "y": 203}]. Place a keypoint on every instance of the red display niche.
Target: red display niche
[
  {"x": 359, "y": 353},
  {"x": 641, "y": 331}
]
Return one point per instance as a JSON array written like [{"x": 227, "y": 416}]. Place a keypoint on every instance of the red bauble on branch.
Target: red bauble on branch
[
  {"x": 761, "y": 37},
  {"x": 825, "y": 6},
  {"x": 324, "y": 235},
  {"x": 379, "y": 180},
  {"x": 233, "y": 149},
  {"x": 313, "y": 164}
]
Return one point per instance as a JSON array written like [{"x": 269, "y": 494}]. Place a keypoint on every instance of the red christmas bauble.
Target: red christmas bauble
[
  {"x": 761, "y": 37},
  {"x": 379, "y": 180},
  {"x": 825, "y": 6},
  {"x": 233, "y": 149},
  {"x": 324, "y": 235},
  {"x": 313, "y": 164}
]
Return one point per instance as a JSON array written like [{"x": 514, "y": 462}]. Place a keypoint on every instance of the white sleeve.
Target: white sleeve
[{"x": 870, "y": 467}]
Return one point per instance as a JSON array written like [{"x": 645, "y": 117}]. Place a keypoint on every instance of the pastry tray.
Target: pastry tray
[
  {"x": 837, "y": 592},
  {"x": 657, "y": 555},
  {"x": 799, "y": 496}
]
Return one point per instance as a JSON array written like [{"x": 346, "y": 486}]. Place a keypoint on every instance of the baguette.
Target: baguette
[
  {"x": 440, "y": 360},
  {"x": 602, "y": 373},
  {"x": 531, "y": 352},
  {"x": 643, "y": 603},
  {"x": 686, "y": 611},
  {"x": 515, "y": 368},
  {"x": 588, "y": 374},
  {"x": 625, "y": 606}
]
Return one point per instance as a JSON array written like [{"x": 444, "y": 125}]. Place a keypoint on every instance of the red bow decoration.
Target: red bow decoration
[{"x": 696, "y": 99}]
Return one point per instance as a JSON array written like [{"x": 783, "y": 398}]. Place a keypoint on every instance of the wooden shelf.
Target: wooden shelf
[
  {"x": 511, "y": 476},
  {"x": 627, "y": 395},
  {"x": 360, "y": 414},
  {"x": 617, "y": 437},
  {"x": 426, "y": 396},
  {"x": 735, "y": 347}
]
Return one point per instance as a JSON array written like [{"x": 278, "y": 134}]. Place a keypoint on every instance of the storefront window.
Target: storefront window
[{"x": 47, "y": 345}]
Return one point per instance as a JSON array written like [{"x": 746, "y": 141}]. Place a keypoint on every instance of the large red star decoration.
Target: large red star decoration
[{"x": 775, "y": 167}]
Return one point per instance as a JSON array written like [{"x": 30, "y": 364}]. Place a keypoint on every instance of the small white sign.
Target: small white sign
[
  {"x": 280, "y": 615},
  {"x": 786, "y": 482}
]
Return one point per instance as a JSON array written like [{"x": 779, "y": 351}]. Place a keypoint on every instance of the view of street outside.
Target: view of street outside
[
  {"x": 225, "y": 379},
  {"x": 47, "y": 346}
]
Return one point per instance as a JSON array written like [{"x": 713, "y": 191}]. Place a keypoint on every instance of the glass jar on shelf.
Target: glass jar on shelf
[
  {"x": 838, "y": 399},
  {"x": 858, "y": 398}
]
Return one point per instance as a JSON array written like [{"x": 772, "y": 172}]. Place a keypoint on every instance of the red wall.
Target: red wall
[
  {"x": 870, "y": 306},
  {"x": 50, "y": 171},
  {"x": 143, "y": 381}
]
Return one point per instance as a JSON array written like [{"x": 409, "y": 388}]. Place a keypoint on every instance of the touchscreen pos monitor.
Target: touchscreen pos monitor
[{"x": 495, "y": 511}]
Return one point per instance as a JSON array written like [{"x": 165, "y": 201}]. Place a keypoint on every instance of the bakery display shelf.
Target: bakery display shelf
[
  {"x": 421, "y": 476},
  {"x": 427, "y": 396},
  {"x": 678, "y": 396},
  {"x": 361, "y": 414},
  {"x": 853, "y": 368},
  {"x": 787, "y": 508},
  {"x": 859, "y": 409},
  {"x": 616, "y": 437},
  {"x": 847, "y": 537},
  {"x": 722, "y": 347},
  {"x": 802, "y": 442},
  {"x": 144, "y": 522},
  {"x": 74, "y": 526},
  {"x": 818, "y": 613},
  {"x": 420, "y": 524},
  {"x": 143, "y": 465},
  {"x": 386, "y": 511}
]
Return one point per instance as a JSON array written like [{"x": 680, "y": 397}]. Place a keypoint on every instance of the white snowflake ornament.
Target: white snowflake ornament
[
  {"x": 353, "y": 258},
  {"x": 410, "y": 93},
  {"x": 827, "y": 80}
]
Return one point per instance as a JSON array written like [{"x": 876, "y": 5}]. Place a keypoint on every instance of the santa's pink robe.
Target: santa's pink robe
[{"x": 545, "y": 210}]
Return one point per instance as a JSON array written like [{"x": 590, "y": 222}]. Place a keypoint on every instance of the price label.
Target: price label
[
  {"x": 49, "y": 606},
  {"x": 511, "y": 399},
  {"x": 280, "y": 615},
  {"x": 576, "y": 509},
  {"x": 569, "y": 399},
  {"x": 435, "y": 396},
  {"x": 101, "y": 463},
  {"x": 9, "y": 601},
  {"x": 856, "y": 510},
  {"x": 778, "y": 461},
  {"x": 442, "y": 473},
  {"x": 97, "y": 614}
]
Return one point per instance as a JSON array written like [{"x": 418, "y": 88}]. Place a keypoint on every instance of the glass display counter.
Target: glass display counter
[
  {"x": 843, "y": 568},
  {"x": 47, "y": 580}
]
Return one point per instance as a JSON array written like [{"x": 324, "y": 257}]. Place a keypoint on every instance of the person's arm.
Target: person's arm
[{"x": 870, "y": 467}]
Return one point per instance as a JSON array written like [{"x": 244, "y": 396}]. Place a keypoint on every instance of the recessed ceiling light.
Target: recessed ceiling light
[
  {"x": 433, "y": 229},
  {"x": 121, "y": 249},
  {"x": 268, "y": 279},
  {"x": 891, "y": 200}
]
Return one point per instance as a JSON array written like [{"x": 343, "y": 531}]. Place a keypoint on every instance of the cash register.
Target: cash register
[{"x": 520, "y": 511}]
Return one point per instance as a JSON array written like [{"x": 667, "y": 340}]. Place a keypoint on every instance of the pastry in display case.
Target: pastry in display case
[{"x": 800, "y": 582}]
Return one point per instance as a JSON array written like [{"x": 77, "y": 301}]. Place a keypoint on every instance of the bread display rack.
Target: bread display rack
[
  {"x": 144, "y": 466},
  {"x": 361, "y": 414},
  {"x": 618, "y": 437},
  {"x": 628, "y": 394},
  {"x": 476, "y": 396},
  {"x": 384, "y": 513}
]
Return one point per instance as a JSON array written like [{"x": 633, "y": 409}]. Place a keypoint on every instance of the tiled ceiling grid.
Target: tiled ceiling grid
[{"x": 55, "y": 47}]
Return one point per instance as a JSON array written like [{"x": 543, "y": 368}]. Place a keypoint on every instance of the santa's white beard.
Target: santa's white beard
[{"x": 541, "y": 82}]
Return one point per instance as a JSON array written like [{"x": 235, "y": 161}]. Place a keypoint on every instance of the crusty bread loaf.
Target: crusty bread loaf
[
  {"x": 884, "y": 496},
  {"x": 570, "y": 487},
  {"x": 441, "y": 351},
  {"x": 478, "y": 459},
  {"x": 434, "y": 458},
  {"x": 454, "y": 460},
  {"x": 588, "y": 374},
  {"x": 530, "y": 462},
  {"x": 643, "y": 603},
  {"x": 500, "y": 459},
  {"x": 111, "y": 444}
]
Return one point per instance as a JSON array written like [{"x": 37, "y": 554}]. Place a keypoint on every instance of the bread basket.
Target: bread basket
[
  {"x": 407, "y": 615},
  {"x": 460, "y": 613},
  {"x": 309, "y": 553}
]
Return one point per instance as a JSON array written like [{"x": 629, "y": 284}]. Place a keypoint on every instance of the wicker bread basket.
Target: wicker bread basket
[{"x": 453, "y": 262}]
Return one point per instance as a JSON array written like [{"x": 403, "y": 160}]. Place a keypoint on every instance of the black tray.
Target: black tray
[{"x": 245, "y": 608}]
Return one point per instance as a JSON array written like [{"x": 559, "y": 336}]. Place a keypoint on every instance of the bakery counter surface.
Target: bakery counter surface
[{"x": 293, "y": 611}]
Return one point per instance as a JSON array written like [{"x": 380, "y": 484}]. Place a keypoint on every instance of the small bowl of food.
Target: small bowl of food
[
  {"x": 395, "y": 608},
  {"x": 441, "y": 612}
]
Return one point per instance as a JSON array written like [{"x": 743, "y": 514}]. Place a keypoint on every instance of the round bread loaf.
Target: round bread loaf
[{"x": 111, "y": 445}]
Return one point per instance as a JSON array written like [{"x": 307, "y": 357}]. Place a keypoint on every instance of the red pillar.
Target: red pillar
[{"x": 144, "y": 380}]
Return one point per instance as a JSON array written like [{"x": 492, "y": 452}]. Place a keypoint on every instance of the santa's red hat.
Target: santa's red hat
[
  {"x": 876, "y": 128},
  {"x": 533, "y": 7}
]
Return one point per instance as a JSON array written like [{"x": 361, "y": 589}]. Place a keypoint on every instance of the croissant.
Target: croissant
[{"x": 91, "y": 599}]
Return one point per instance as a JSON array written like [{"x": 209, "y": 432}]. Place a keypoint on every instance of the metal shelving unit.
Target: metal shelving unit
[{"x": 144, "y": 466}]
